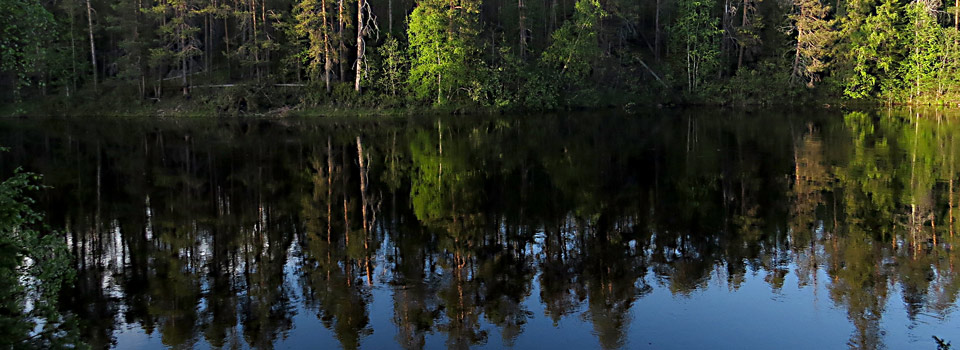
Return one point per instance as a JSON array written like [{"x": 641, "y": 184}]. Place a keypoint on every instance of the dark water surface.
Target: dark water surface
[{"x": 673, "y": 230}]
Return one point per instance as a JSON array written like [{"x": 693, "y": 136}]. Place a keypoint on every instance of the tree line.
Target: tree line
[{"x": 539, "y": 54}]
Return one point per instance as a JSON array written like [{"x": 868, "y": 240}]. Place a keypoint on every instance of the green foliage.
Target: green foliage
[
  {"x": 26, "y": 27},
  {"x": 33, "y": 268},
  {"x": 309, "y": 23},
  {"x": 575, "y": 50},
  {"x": 765, "y": 85},
  {"x": 876, "y": 47},
  {"x": 178, "y": 33},
  {"x": 568, "y": 62},
  {"x": 749, "y": 31},
  {"x": 540, "y": 90},
  {"x": 518, "y": 55},
  {"x": 132, "y": 64},
  {"x": 498, "y": 86},
  {"x": 697, "y": 46},
  {"x": 393, "y": 67},
  {"x": 815, "y": 37},
  {"x": 443, "y": 55},
  {"x": 920, "y": 71}
]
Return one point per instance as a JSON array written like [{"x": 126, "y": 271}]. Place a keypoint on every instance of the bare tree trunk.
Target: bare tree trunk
[
  {"x": 327, "y": 64},
  {"x": 93, "y": 50},
  {"x": 73, "y": 56},
  {"x": 689, "y": 70},
  {"x": 796, "y": 57},
  {"x": 256, "y": 45},
  {"x": 136, "y": 35},
  {"x": 523, "y": 30},
  {"x": 437, "y": 47},
  {"x": 390, "y": 10},
  {"x": 725, "y": 26},
  {"x": 183, "y": 51},
  {"x": 343, "y": 49},
  {"x": 743, "y": 24},
  {"x": 266, "y": 36},
  {"x": 656, "y": 35},
  {"x": 206, "y": 42},
  {"x": 226, "y": 42},
  {"x": 360, "y": 47}
]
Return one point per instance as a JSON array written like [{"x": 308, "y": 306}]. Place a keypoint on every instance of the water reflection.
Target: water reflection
[{"x": 472, "y": 231}]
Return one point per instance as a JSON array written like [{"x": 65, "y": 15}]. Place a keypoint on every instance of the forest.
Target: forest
[{"x": 234, "y": 56}]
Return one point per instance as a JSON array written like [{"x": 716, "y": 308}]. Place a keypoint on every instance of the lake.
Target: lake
[{"x": 665, "y": 229}]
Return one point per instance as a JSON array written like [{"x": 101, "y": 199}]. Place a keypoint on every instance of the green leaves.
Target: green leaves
[
  {"x": 393, "y": 66},
  {"x": 698, "y": 33},
  {"x": 26, "y": 27},
  {"x": 442, "y": 48},
  {"x": 815, "y": 36},
  {"x": 921, "y": 68},
  {"x": 575, "y": 49},
  {"x": 33, "y": 268},
  {"x": 876, "y": 45}
]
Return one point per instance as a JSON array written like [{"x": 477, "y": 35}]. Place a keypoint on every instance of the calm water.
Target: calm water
[{"x": 673, "y": 230}]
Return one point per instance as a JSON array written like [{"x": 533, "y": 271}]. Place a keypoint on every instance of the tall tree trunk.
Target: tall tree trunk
[
  {"x": 327, "y": 64},
  {"x": 439, "y": 91},
  {"x": 93, "y": 50},
  {"x": 226, "y": 42},
  {"x": 256, "y": 45},
  {"x": 142, "y": 86},
  {"x": 342, "y": 48},
  {"x": 73, "y": 51},
  {"x": 265, "y": 26},
  {"x": 390, "y": 10},
  {"x": 743, "y": 24},
  {"x": 206, "y": 42},
  {"x": 725, "y": 26},
  {"x": 523, "y": 30},
  {"x": 360, "y": 45},
  {"x": 656, "y": 35},
  {"x": 796, "y": 57},
  {"x": 183, "y": 51}
]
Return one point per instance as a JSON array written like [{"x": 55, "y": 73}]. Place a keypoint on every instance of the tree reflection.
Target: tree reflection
[{"x": 221, "y": 231}]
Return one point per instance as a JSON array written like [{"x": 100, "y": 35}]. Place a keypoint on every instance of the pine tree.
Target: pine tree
[
  {"x": 311, "y": 21},
  {"x": 815, "y": 35},
  {"x": 127, "y": 24},
  {"x": 178, "y": 35}
]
